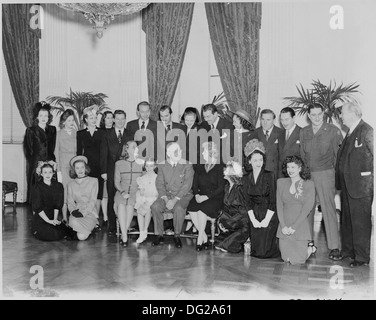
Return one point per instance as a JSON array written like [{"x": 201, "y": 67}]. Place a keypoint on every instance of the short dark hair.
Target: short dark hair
[
  {"x": 164, "y": 108},
  {"x": 248, "y": 166},
  {"x": 267, "y": 111},
  {"x": 191, "y": 110},
  {"x": 143, "y": 103},
  {"x": 305, "y": 173},
  {"x": 289, "y": 110},
  {"x": 102, "y": 123},
  {"x": 118, "y": 111},
  {"x": 315, "y": 106},
  {"x": 210, "y": 106},
  {"x": 47, "y": 165},
  {"x": 65, "y": 115},
  {"x": 72, "y": 172},
  {"x": 245, "y": 124}
]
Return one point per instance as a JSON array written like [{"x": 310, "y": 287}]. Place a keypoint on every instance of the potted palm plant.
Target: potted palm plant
[
  {"x": 77, "y": 101},
  {"x": 327, "y": 96}
]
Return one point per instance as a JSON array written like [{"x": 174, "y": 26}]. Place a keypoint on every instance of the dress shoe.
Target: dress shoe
[
  {"x": 104, "y": 224},
  {"x": 206, "y": 245},
  {"x": 199, "y": 247},
  {"x": 177, "y": 241},
  {"x": 112, "y": 232},
  {"x": 220, "y": 248},
  {"x": 159, "y": 240},
  {"x": 123, "y": 244},
  {"x": 335, "y": 255},
  {"x": 357, "y": 263}
]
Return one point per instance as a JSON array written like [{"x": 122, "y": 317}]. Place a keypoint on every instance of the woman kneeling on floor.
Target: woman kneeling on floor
[{"x": 82, "y": 198}]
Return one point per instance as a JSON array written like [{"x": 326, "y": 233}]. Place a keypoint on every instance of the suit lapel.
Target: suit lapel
[{"x": 292, "y": 139}]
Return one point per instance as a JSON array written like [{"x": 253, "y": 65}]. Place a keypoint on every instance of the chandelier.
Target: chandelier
[{"x": 101, "y": 14}]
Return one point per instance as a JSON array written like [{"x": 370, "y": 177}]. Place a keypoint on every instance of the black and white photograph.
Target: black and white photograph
[{"x": 198, "y": 153}]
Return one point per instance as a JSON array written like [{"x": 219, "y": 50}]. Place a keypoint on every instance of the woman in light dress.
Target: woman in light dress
[
  {"x": 82, "y": 198},
  {"x": 145, "y": 197}
]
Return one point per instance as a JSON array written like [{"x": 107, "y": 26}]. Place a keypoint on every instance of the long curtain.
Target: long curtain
[
  {"x": 21, "y": 55},
  {"x": 234, "y": 32},
  {"x": 167, "y": 27}
]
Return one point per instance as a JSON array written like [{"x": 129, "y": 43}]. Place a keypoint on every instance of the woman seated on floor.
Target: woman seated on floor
[
  {"x": 233, "y": 221},
  {"x": 82, "y": 198},
  {"x": 47, "y": 201},
  {"x": 295, "y": 200}
]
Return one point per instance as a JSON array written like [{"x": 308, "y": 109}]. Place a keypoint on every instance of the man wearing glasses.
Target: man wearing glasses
[{"x": 319, "y": 144}]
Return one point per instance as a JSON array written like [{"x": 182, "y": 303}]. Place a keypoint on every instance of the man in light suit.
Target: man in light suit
[
  {"x": 354, "y": 177},
  {"x": 174, "y": 183},
  {"x": 144, "y": 131},
  {"x": 270, "y": 136},
  {"x": 289, "y": 145},
  {"x": 220, "y": 129},
  {"x": 111, "y": 146}
]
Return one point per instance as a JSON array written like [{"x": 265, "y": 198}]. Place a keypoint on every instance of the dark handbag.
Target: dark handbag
[{"x": 77, "y": 214}]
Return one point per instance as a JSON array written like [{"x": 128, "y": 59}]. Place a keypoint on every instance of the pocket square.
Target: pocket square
[
  {"x": 223, "y": 136},
  {"x": 276, "y": 141},
  {"x": 357, "y": 145},
  {"x": 367, "y": 173},
  {"x": 297, "y": 141}
]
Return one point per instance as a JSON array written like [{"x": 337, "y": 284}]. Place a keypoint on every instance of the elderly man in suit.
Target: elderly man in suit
[
  {"x": 289, "y": 145},
  {"x": 319, "y": 145},
  {"x": 354, "y": 177},
  {"x": 144, "y": 131},
  {"x": 270, "y": 136},
  {"x": 174, "y": 183},
  {"x": 111, "y": 146},
  {"x": 219, "y": 131}
]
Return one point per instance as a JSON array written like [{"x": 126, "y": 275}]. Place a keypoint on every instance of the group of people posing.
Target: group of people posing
[{"x": 260, "y": 184}]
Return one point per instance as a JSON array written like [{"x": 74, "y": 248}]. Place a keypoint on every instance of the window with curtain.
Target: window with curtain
[{"x": 13, "y": 128}]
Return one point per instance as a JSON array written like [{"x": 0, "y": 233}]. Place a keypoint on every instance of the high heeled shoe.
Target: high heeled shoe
[
  {"x": 123, "y": 244},
  {"x": 206, "y": 245},
  {"x": 199, "y": 247}
]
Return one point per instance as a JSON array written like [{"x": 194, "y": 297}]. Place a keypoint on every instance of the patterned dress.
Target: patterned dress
[
  {"x": 82, "y": 196},
  {"x": 147, "y": 193},
  {"x": 293, "y": 210}
]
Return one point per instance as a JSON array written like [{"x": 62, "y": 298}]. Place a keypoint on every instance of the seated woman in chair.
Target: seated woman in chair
[
  {"x": 47, "y": 200},
  {"x": 82, "y": 198},
  {"x": 208, "y": 191}
]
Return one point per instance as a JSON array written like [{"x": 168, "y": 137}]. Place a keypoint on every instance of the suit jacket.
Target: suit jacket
[
  {"x": 174, "y": 182},
  {"x": 271, "y": 148},
  {"x": 164, "y": 138},
  {"x": 354, "y": 166},
  {"x": 224, "y": 128},
  {"x": 291, "y": 147},
  {"x": 146, "y": 143},
  {"x": 110, "y": 151}
]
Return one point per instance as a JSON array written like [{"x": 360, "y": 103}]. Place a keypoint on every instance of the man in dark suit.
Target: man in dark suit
[
  {"x": 144, "y": 131},
  {"x": 111, "y": 147},
  {"x": 289, "y": 145},
  {"x": 270, "y": 136},
  {"x": 174, "y": 183},
  {"x": 219, "y": 131},
  {"x": 354, "y": 177},
  {"x": 168, "y": 131}
]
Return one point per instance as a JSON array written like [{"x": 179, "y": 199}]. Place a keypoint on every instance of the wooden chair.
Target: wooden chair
[{"x": 10, "y": 187}]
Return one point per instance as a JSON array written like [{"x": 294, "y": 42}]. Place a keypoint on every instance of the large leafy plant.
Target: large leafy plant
[
  {"x": 77, "y": 101},
  {"x": 330, "y": 97}
]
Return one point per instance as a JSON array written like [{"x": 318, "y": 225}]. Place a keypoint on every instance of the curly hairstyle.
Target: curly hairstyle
[
  {"x": 72, "y": 171},
  {"x": 37, "y": 107},
  {"x": 245, "y": 124},
  {"x": 64, "y": 116},
  {"x": 47, "y": 165},
  {"x": 247, "y": 165},
  {"x": 102, "y": 123},
  {"x": 124, "y": 153},
  {"x": 191, "y": 111},
  {"x": 305, "y": 173}
]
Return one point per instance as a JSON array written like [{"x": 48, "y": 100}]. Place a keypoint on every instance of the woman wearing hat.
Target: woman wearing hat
[
  {"x": 82, "y": 198},
  {"x": 243, "y": 132},
  {"x": 39, "y": 142},
  {"x": 65, "y": 150},
  {"x": 88, "y": 145},
  {"x": 259, "y": 187}
]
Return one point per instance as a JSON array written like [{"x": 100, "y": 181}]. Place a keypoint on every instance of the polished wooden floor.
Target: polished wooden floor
[{"x": 99, "y": 268}]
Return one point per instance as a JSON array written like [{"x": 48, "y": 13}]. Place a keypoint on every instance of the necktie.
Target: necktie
[
  {"x": 287, "y": 134},
  {"x": 143, "y": 125},
  {"x": 267, "y": 135},
  {"x": 120, "y": 136},
  {"x": 168, "y": 127}
]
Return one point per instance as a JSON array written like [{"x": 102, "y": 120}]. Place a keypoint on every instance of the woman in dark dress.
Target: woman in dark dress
[
  {"x": 39, "y": 142},
  {"x": 191, "y": 121},
  {"x": 260, "y": 195},
  {"x": 233, "y": 221},
  {"x": 47, "y": 201},
  {"x": 88, "y": 145},
  {"x": 208, "y": 191}
]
